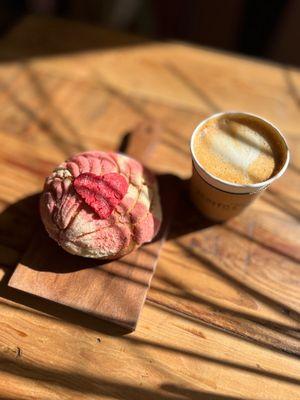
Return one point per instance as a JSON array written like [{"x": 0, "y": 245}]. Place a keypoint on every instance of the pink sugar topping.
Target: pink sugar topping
[
  {"x": 101, "y": 193},
  {"x": 101, "y": 205}
]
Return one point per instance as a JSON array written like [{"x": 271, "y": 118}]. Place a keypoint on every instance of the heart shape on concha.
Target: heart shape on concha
[
  {"x": 101, "y": 193},
  {"x": 101, "y": 205}
]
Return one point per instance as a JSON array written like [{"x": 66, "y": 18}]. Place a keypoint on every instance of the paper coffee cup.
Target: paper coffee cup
[{"x": 218, "y": 199}]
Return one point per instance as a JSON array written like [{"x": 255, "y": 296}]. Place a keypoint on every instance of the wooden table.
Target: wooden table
[{"x": 222, "y": 316}]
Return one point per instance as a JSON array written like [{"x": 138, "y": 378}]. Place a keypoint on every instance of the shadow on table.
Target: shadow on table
[
  {"x": 19, "y": 366},
  {"x": 97, "y": 385}
]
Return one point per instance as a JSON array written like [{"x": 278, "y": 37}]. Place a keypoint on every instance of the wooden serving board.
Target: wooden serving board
[{"x": 111, "y": 290}]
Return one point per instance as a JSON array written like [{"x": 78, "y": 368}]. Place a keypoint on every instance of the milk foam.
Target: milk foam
[
  {"x": 236, "y": 151},
  {"x": 239, "y": 153}
]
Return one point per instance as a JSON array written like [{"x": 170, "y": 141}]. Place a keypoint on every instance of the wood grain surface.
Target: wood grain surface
[{"x": 221, "y": 320}]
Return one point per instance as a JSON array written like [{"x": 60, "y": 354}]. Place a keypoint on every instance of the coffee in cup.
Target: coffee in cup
[{"x": 235, "y": 156}]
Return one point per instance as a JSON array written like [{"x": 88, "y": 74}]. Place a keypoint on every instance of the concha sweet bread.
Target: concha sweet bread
[{"x": 101, "y": 205}]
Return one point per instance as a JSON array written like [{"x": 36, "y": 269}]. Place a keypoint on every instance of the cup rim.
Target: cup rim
[{"x": 236, "y": 187}]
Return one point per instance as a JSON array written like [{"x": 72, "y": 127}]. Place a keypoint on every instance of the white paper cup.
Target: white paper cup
[{"x": 218, "y": 199}]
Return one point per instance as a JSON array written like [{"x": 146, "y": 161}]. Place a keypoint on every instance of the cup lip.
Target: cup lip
[{"x": 236, "y": 187}]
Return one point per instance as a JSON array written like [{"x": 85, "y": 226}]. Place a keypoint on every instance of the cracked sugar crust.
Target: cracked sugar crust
[{"x": 76, "y": 226}]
